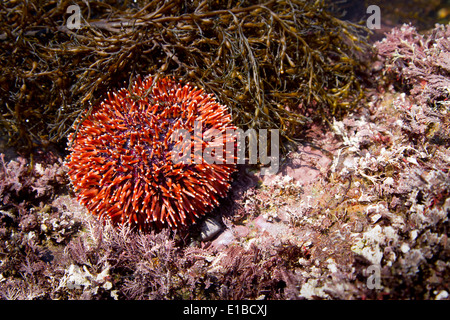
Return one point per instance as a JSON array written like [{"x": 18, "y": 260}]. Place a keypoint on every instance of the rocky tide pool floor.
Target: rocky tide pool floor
[{"x": 359, "y": 211}]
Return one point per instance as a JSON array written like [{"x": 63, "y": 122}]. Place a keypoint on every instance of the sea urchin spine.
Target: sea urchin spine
[{"x": 122, "y": 157}]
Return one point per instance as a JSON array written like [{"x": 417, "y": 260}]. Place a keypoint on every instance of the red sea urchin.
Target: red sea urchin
[{"x": 122, "y": 157}]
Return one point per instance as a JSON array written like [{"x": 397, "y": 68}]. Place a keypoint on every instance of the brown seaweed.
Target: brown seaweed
[{"x": 276, "y": 64}]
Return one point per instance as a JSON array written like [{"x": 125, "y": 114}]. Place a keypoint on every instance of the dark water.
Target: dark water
[{"x": 423, "y": 14}]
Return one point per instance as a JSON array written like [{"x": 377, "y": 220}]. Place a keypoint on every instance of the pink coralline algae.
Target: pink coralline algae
[{"x": 422, "y": 62}]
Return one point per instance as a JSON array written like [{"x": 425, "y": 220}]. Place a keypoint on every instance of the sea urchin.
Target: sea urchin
[{"x": 123, "y": 162}]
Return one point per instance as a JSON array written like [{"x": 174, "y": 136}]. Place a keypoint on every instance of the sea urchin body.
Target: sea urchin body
[{"x": 122, "y": 157}]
